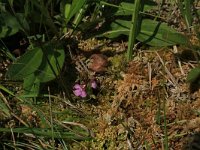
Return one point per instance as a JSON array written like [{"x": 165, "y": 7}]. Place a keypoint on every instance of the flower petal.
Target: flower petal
[
  {"x": 94, "y": 84},
  {"x": 77, "y": 86},
  {"x": 83, "y": 94},
  {"x": 77, "y": 92}
]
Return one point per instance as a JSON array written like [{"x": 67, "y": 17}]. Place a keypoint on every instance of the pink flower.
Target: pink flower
[
  {"x": 79, "y": 90},
  {"x": 93, "y": 84}
]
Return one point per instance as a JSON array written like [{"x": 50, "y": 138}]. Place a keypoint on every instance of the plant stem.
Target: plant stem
[
  {"x": 166, "y": 147},
  {"x": 135, "y": 27}
]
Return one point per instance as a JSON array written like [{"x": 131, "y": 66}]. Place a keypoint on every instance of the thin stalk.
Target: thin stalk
[
  {"x": 188, "y": 14},
  {"x": 166, "y": 146},
  {"x": 13, "y": 137},
  {"x": 135, "y": 27},
  {"x": 51, "y": 119},
  {"x": 158, "y": 115},
  {"x": 185, "y": 9},
  {"x": 94, "y": 15}
]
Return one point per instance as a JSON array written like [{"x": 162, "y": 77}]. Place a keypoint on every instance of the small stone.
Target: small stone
[{"x": 98, "y": 63}]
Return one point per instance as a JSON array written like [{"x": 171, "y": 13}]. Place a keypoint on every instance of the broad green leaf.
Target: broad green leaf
[
  {"x": 152, "y": 32},
  {"x": 126, "y": 8},
  {"x": 157, "y": 40},
  {"x": 193, "y": 75},
  {"x": 117, "y": 28},
  {"x": 47, "y": 72},
  {"x": 31, "y": 85},
  {"x": 8, "y": 25},
  {"x": 176, "y": 38},
  {"x": 25, "y": 65}
]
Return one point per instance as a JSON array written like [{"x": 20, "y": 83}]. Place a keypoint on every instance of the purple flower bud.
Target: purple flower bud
[
  {"x": 93, "y": 84},
  {"x": 79, "y": 90}
]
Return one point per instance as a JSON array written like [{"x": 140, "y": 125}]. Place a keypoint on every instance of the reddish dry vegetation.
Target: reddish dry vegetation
[{"x": 152, "y": 90}]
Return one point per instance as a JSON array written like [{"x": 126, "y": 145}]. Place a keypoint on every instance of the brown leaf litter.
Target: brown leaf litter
[{"x": 133, "y": 115}]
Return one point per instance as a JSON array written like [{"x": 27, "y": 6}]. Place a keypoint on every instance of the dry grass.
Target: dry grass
[{"x": 153, "y": 89}]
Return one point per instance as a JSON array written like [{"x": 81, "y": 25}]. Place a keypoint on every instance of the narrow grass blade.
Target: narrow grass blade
[
  {"x": 45, "y": 132},
  {"x": 166, "y": 146},
  {"x": 186, "y": 11}
]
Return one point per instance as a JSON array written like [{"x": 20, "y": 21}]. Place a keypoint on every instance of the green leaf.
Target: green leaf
[
  {"x": 25, "y": 65},
  {"x": 185, "y": 7},
  {"x": 176, "y": 38},
  {"x": 47, "y": 72},
  {"x": 193, "y": 75},
  {"x": 31, "y": 85},
  {"x": 6, "y": 90},
  {"x": 4, "y": 109},
  {"x": 23, "y": 21},
  {"x": 117, "y": 28},
  {"x": 152, "y": 32},
  {"x": 46, "y": 132},
  {"x": 71, "y": 9},
  {"x": 11, "y": 2},
  {"x": 188, "y": 13},
  {"x": 8, "y": 25},
  {"x": 126, "y": 8},
  {"x": 67, "y": 10}
]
